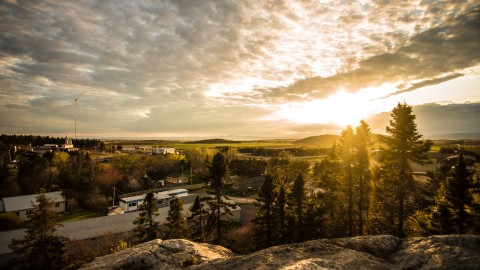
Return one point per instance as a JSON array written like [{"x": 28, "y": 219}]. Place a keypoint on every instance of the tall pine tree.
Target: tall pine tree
[
  {"x": 264, "y": 221},
  {"x": 347, "y": 150},
  {"x": 403, "y": 146},
  {"x": 280, "y": 215},
  {"x": 362, "y": 173},
  {"x": 459, "y": 195},
  {"x": 218, "y": 204},
  {"x": 197, "y": 220},
  {"x": 297, "y": 203},
  {"x": 176, "y": 224},
  {"x": 40, "y": 248},
  {"x": 146, "y": 227}
]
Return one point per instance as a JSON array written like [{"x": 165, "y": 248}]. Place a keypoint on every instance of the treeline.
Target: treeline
[
  {"x": 271, "y": 152},
  {"x": 36, "y": 140}
]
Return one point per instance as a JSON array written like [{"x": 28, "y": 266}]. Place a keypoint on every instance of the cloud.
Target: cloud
[
  {"x": 410, "y": 87},
  {"x": 215, "y": 66},
  {"x": 430, "y": 57},
  {"x": 449, "y": 118},
  {"x": 433, "y": 118}
]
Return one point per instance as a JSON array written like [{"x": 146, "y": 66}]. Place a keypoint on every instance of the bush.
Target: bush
[
  {"x": 10, "y": 221},
  {"x": 239, "y": 239},
  {"x": 97, "y": 203}
]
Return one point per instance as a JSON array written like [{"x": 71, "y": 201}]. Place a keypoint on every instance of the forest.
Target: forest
[{"x": 355, "y": 190}]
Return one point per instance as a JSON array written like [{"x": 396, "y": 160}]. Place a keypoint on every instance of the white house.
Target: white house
[
  {"x": 131, "y": 203},
  {"x": 164, "y": 151},
  {"x": 23, "y": 205}
]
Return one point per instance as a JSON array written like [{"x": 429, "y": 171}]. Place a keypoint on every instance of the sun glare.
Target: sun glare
[{"x": 341, "y": 108}]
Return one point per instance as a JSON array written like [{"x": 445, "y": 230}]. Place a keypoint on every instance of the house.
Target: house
[
  {"x": 23, "y": 205},
  {"x": 163, "y": 151},
  {"x": 131, "y": 203}
]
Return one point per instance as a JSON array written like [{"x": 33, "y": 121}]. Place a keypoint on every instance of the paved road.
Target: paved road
[{"x": 239, "y": 200}]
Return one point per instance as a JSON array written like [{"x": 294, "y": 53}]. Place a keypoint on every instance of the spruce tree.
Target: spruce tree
[
  {"x": 280, "y": 214},
  {"x": 196, "y": 220},
  {"x": 347, "y": 149},
  {"x": 146, "y": 227},
  {"x": 362, "y": 173},
  {"x": 176, "y": 224},
  {"x": 459, "y": 191},
  {"x": 297, "y": 203},
  {"x": 217, "y": 203},
  {"x": 402, "y": 147},
  {"x": 441, "y": 217},
  {"x": 332, "y": 198},
  {"x": 40, "y": 248},
  {"x": 264, "y": 220},
  {"x": 314, "y": 219}
]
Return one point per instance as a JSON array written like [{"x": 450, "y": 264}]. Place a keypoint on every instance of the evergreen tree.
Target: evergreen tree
[
  {"x": 362, "y": 173},
  {"x": 196, "y": 220},
  {"x": 402, "y": 147},
  {"x": 348, "y": 149},
  {"x": 297, "y": 203},
  {"x": 264, "y": 221},
  {"x": 176, "y": 225},
  {"x": 331, "y": 199},
  {"x": 217, "y": 203},
  {"x": 40, "y": 248},
  {"x": 459, "y": 190},
  {"x": 280, "y": 214},
  {"x": 146, "y": 227},
  {"x": 441, "y": 218},
  {"x": 314, "y": 219}
]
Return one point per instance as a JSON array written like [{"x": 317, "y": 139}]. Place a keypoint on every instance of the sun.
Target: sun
[{"x": 341, "y": 108}]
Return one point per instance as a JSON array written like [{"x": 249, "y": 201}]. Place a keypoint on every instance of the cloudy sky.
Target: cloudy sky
[{"x": 236, "y": 68}]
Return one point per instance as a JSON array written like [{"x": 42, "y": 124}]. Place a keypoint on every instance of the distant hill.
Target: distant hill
[
  {"x": 212, "y": 141},
  {"x": 326, "y": 141},
  {"x": 318, "y": 141},
  {"x": 455, "y": 136}
]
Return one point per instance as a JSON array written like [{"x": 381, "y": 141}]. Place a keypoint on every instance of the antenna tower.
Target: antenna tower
[{"x": 76, "y": 100}]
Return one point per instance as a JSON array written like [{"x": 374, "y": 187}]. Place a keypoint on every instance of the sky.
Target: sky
[{"x": 243, "y": 69}]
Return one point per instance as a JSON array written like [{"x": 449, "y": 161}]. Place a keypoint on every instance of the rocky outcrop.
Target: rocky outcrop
[
  {"x": 161, "y": 254},
  {"x": 368, "y": 252}
]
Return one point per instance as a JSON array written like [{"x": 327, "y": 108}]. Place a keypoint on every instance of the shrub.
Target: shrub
[{"x": 10, "y": 221}]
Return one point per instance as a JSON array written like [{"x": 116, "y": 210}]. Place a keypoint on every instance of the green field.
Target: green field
[{"x": 252, "y": 144}]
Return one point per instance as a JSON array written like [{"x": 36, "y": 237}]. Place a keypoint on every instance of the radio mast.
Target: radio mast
[{"x": 76, "y": 100}]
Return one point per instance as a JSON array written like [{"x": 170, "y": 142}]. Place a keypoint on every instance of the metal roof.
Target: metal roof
[
  {"x": 158, "y": 195},
  {"x": 25, "y": 202}
]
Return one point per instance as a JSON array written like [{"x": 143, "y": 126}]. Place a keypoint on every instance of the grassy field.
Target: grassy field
[{"x": 252, "y": 144}]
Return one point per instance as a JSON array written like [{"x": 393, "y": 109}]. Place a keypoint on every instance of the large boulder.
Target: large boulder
[
  {"x": 439, "y": 252},
  {"x": 367, "y": 252},
  {"x": 160, "y": 254}
]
